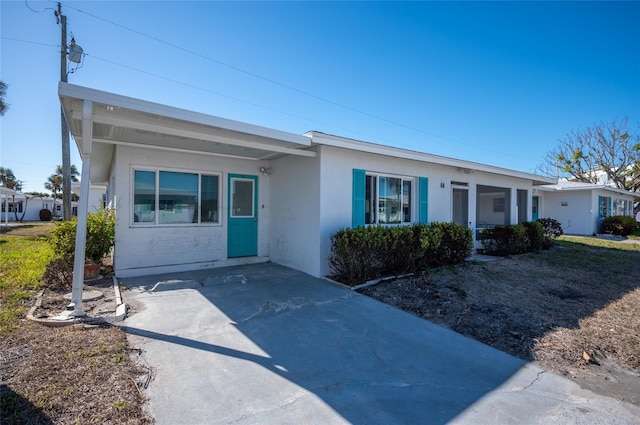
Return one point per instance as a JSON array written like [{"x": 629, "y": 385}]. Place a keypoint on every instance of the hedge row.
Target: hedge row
[
  {"x": 620, "y": 225},
  {"x": 363, "y": 253},
  {"x": 521, "y": 238}
]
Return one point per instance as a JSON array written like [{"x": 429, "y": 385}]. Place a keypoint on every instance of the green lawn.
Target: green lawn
[
  {"x": 24, "y": 255},
  {"x": 597, "y": 243}
]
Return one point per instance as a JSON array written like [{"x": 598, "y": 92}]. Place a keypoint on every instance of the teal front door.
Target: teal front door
[
  {"x": 534, "y": 209},
  {"x": 242, "y": 235}
]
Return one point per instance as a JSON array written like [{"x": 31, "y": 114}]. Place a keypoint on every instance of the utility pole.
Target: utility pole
[{"x": 66, "y": 155}]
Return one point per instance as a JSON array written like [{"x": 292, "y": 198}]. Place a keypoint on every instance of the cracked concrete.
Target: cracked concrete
[
  {"x": 534, "y": 381},
  {"x": 266, "y": 344}
]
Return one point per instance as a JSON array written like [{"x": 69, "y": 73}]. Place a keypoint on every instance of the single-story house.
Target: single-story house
[
  {"x": 97, "y": 196},
  {"x": 5, "y": 195},
  {"x": 197, "y": 191},
  {"x": 581, "y": 207},
  {"x": 26, "y": 207}
]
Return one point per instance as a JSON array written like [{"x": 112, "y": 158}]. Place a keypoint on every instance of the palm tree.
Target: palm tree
[
  {"x": 3, "y": 105},
  {"x": 7, "y": 178},
  {"x": 54, "y": 182}
]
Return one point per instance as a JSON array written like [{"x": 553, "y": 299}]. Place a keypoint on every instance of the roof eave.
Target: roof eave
[{"x": 320, "y": 138}]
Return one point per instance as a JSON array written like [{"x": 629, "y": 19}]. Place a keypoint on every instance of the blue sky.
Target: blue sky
[{"x": 491, "y": 82}]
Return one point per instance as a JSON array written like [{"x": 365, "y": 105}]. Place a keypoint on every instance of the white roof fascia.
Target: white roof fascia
[
  {"x": 106, "y": 98},
  {"x": 341, "y": 142},
  {"x": 75, "y": 187},
  {"x": 586, "y": 186}
]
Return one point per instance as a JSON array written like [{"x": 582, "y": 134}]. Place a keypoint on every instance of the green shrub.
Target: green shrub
[
  {"x": 619, "y": 225},
  {"x": 456, "y": 243},
  {"x": 552, "y": 230},
  {"x": 535, "y": 236},
  {"x": 427, "y": 239},
  {"x": 355, "y": 253},
  {"x": 365, "y": 253},
  {"x": 398, "y": 252},
  {"x": 505, "y": 240},
  {"x": 100, "y": 236},
  {"x": 64, "y": 238}
]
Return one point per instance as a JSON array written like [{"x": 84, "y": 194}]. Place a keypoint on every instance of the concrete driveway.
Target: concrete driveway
[{"x": 270, "y": 345}]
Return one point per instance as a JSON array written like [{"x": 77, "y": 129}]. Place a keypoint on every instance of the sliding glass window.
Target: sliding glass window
[{"x": 170, "y": 197}]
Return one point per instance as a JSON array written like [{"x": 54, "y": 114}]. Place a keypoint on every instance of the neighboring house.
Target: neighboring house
[
  {"x": 27, "y": 210},
  {"x": 5, "y": 195},
  {"x": 196, "y": 191},
  {"x": 581, "y": 207},
  {"x": 97, "y": 196}
]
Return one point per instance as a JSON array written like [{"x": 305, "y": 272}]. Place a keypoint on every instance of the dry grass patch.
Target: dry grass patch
[{"x": 67, "y": 375}]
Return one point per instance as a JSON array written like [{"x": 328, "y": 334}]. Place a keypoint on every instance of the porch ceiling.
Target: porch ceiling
[{"x": 119, "y": 120}]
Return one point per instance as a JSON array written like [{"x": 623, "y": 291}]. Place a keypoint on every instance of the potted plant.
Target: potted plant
[{"x": 100, "y": 239}]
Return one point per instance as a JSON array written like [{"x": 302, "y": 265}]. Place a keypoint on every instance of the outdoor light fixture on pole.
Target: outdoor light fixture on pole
[{"x": 75, "y": 55}]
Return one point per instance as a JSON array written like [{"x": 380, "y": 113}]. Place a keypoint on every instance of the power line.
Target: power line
[
  {"x": 202, "y": 89},
  {"x": 283, "y": 85},
  {"x": 26, "y": 3},
  {"x": 30, "y": 42},
  {"x": 227, "y": 96},
  {"x": 269, "y": 80}
]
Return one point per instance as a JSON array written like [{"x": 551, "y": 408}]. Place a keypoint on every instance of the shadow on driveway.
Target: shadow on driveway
[{"x": 267, "y": 344}]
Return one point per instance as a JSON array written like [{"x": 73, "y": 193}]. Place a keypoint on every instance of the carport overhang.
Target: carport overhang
[
  {"x": 99, "y": 121},
  {"x": 120, "y": 120}
]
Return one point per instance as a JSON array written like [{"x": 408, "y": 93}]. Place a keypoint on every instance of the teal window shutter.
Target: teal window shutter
[
  {"x": 358, "y": 198},
  {"x": 423, "y": 199},
  {"x": 599, "y": 206}
]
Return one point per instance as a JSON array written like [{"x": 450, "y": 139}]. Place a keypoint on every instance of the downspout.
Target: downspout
[{"x": 83, "y": 206}]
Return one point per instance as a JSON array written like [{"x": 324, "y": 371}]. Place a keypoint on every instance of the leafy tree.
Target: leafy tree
[
  {"x": 38, "y": 194},
  {"x": 4, "y": 106},
  {"x": 24, "y": 209},
  {"x": 583, "y": 155}
]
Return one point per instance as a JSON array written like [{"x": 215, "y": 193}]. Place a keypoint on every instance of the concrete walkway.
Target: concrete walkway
[{"x": 270, "y": 345}]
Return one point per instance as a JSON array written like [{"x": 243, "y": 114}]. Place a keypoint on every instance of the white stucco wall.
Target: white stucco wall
[
  {"x": 157, "y": 249},
  {"x": 295, "y": 213},
  {"x": 301, "y": 203},
  {"x": 577, "y": 214},
  {"x": 30, "y": 208},
  {"x": 95, "y": 198},
  {"x": 96, "y": 193},
  {"x": 576, "y": 210},
  {"x": 336, "y": 174}
]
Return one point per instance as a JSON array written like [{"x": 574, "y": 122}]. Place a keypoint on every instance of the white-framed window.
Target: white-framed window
[
  {"x": 169, "y": 197},
  {"x": 604, "y": 206},
  {"x": 13, "y": 206},
  {"x": 242, "y": 199},
  {"x": 389, "y": 199},
  {"x": 622, "y": 207}
]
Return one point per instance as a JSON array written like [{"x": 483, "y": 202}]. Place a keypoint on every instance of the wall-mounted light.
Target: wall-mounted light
[{"x": 266, "y": 171}]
